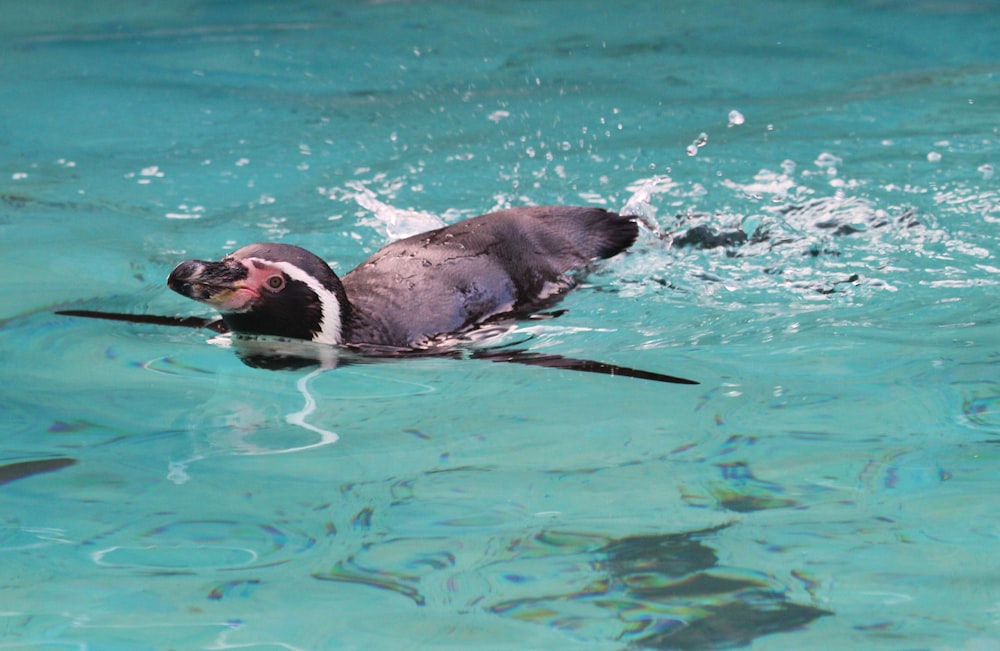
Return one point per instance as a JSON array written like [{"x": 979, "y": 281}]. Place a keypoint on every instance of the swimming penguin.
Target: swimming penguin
[
  {"x": 415, "y": 294},
  {"x": 416, "y": 291}
]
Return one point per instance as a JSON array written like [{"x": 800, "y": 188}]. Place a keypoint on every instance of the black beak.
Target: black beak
[{"x": 208, "y": 282}]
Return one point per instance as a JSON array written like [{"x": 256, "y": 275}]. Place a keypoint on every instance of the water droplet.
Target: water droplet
[{"x": 698, "y": 142}]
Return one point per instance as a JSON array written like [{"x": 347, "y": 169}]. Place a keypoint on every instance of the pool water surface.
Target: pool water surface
[{"x": 820, "y": 206}]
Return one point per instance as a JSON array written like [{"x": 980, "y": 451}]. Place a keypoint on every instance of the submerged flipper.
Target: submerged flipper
[
  {"x": 529, "y": 358},
  {"x": 215, "y": 325},
  {"x": 512, "y": 356}
]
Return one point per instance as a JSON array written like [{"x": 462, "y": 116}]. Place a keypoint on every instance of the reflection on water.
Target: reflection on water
[
  {"x": 665, "y": 592},
  {"x": 650, "y": 591}
]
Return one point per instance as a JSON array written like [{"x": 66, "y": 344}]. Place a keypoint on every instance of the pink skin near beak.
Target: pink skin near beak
[
  {"x": 245, "y": 292},
  {"x": 238, "y": 299}
]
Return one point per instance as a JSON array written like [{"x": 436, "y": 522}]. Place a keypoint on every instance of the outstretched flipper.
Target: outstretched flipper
[
  {"x": 181, "y": 321},
  {"x": 529, "y": 358}
]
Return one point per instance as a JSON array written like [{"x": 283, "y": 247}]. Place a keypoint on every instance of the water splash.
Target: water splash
[
  {"x": 697, "y": 144},
  {"x": 768, "y": 183},
  {"x": 398, "y": 222},
  {"x": 640, "y": 203},
  {"x": 828, "y": 163}
]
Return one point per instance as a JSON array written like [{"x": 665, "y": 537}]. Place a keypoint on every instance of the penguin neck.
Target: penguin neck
[{"x": 336, "y": 314}]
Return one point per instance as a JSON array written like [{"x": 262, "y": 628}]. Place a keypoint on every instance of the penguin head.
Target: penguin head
[{"x": 277, "y": 290}]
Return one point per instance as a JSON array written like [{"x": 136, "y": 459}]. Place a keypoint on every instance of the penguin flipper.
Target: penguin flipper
[
  {"x": 216, "y": 325},
  {"x": 529, "y": 358}
]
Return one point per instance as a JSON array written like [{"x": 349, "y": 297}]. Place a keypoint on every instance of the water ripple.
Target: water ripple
[{"x": 194, "y": 546}]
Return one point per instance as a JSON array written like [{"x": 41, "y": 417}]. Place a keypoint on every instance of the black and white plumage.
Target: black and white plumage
[
  {"x": 413, "y": 292},
  {"x": 414, "y": 296}
]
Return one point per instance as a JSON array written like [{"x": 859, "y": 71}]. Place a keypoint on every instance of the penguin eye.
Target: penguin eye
[{"x": 276, "y": 283}]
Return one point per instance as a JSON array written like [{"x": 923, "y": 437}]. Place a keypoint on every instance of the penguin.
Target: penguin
[
  {"x": 419, "y": 295},
  {"x": 413, "y": 293}
]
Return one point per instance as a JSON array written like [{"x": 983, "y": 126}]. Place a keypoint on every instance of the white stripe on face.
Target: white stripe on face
[{"x": 330, "y": 325}]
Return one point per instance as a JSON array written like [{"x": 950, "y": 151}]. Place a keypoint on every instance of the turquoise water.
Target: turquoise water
[{"x": 830, "y": 484}]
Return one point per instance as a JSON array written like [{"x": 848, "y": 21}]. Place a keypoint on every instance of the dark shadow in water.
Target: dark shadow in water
[
  {"x": 669, "y": 593},
  {"x": 729, "y": 611},
  {"x": 735, "y": 624},
  {"x": 23, "y": 469}
]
